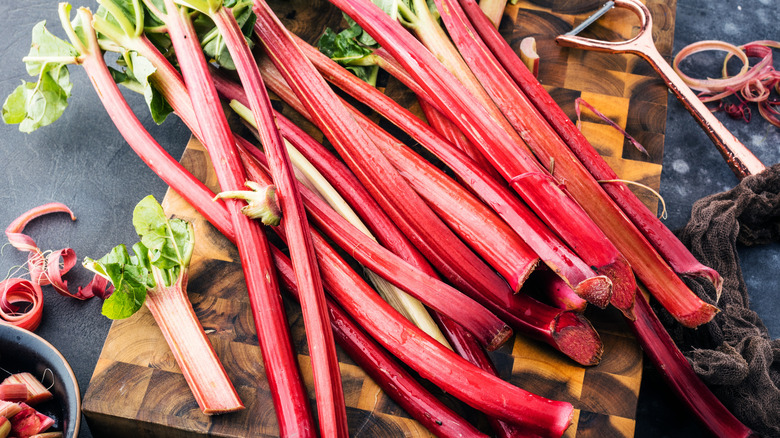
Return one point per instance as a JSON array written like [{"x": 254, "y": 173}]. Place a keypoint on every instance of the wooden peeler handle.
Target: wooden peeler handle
[{"x": 739, "y": 158}]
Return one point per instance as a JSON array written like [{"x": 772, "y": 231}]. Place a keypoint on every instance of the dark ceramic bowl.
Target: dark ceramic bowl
[{"x": 21, "y": 350}]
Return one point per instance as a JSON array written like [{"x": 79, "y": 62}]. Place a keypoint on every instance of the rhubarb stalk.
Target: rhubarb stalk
[
  {"x": 157, "y": 276},
  {"x": 570, "y": 334},
  {"x": 290, "y": 398},
  {"x": 491, "y": 331},
  {"x": 394, "y": 379},
  {"x": 408, "y": 306},
  {"x": 327, "y": 377},
  {"x": 679, "y": 257}
]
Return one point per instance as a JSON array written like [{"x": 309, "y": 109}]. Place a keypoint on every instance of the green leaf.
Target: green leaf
[
  {"x": 34, "y": 105},
  {"x": 139, "y": 71},
  {"x": 46, "y": 45},
  {"x": 170, "y": 242},
  {"x": 131, "y": 279},
  {"x": 163, "y": 253},
  {"x": 346, "y": 49}
]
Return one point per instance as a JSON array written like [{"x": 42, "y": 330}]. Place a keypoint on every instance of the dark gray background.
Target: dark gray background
[{"x": 83, "y": 162}]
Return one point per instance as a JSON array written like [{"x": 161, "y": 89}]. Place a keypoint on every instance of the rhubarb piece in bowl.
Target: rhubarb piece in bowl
[{"x": 22, "y": 351}]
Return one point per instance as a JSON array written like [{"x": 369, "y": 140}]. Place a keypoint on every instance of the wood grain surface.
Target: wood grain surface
[{"x": 138, "y": 390}]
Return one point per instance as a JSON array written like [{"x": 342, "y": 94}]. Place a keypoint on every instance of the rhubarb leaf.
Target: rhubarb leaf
[
  {"x": 170, "y": 242},
  {"x": 346, "y": 49},
  {"x": 129, "y": 275},
  {"x": 36, "y": 104},
  {"x": 136, "y": 77},
  {"x": 44, "y": 47}
]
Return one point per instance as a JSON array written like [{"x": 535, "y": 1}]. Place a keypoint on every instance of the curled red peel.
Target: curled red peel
[
  {"x": 753, "y": 83},
  {"x": 21, "y": 303},
  {"x": 44, "y": 268}
]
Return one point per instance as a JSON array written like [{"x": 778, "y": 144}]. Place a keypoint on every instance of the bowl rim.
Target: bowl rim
[{"x": 67, "y": 367}]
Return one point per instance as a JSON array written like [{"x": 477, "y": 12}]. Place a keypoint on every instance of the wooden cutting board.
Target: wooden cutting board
[{"x": 138, "y": 390}]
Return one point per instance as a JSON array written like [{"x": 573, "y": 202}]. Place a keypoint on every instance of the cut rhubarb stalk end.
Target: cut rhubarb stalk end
[
  {"x": 36, "y": 392},
  {"x": 576, "y": 338},
  {"x": 595, "y": 290},
  {"x": 9, "y": 409},
  {"x": 529, "y": 56},
  {"x": 262, "y": 202}
]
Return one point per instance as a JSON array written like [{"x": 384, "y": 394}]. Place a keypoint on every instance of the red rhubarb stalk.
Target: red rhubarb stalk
[
  {"x": 677, "y": 298},
  {"x": 426, "y": 27},
  {"x": 572, "y": 335},
  {"x": 327, "y": 377},
  {"x": 679, "y": 375},
  {"x": 440, "y": 365},
  {"x": 290, "y": 398},
  {"x": 679, "y": 257},
  {"x": 557, "y": 256},
  {"x": 557, "y": 291},
  {"x": 437, "y": 242}
]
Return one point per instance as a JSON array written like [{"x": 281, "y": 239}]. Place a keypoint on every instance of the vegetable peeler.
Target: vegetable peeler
[{"x": 739, "y": 158}]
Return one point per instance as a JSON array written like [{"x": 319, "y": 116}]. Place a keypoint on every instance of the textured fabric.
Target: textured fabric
[{"x": 734, "y": 354}]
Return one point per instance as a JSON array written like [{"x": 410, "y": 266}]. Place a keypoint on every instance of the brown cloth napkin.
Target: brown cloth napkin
[{"x": 734, "y": 354}]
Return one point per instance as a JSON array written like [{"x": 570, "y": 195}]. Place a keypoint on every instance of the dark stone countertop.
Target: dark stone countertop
[{"x": 82, "y": 162}]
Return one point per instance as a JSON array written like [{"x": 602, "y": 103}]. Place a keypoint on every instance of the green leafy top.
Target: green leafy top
[
  {"x": 160, "y": 259},
  {"x": 36, "y": 104},
  {"x": 351, "y": 48}
]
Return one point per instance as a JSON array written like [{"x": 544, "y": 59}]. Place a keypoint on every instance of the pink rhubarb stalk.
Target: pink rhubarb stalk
[
  {"x": 570, "y": 334},
  {"x": 491, "y": 331},
  {"x": 172, "y": 311},
  {"x": 474, "y": 222},
  {"x": 394, "y": 379}
]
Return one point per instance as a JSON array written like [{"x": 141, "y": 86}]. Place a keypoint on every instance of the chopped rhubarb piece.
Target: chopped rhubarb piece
[
  {"x": 29, "y": 422},
  {"x": 9, "y": 409},
  {"x": 14, "y": 392},
  {"x": 36, "y": 392}
]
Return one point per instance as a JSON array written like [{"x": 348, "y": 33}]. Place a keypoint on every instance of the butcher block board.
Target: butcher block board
[{"x": 138, "y": 390}]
